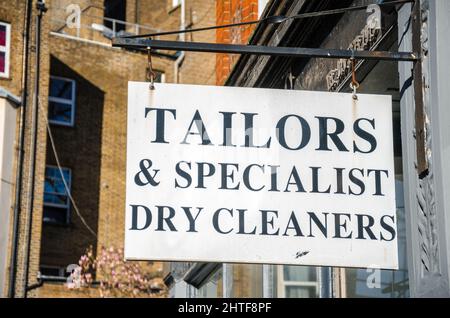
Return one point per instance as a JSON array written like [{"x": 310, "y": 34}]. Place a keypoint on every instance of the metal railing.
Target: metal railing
[{"x": 74, "y": 23}]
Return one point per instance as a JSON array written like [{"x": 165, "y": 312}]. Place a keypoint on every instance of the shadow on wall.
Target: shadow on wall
[{"x": 79, "y": 149}]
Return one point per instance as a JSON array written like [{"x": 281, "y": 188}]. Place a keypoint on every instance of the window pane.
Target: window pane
[
  {"x": 2, "y": 35},
  {"x": 213, "y": 288},
  {"x": 2, "y": 62},
  {"x": 58, "y": 186},
  {"x": 54, "y": 188},
  {"x": 55, "y": 215},
  {"x": 51, "y": 271},
  {"x": 55, "y": 193},
  {"x": 300, "y": 273},
  {"x": 54, "y": 185},
  {"x": 117, "y": 10},
  {"x": 301, "y": 292},
  {"x": 56, "y": 199},
  {"x": 60, "y": 112},
  {"x": 54, "y": 172},
  {"x": 61, "y": 88},
  {"x": 158, "y": 77},
  {"x": 66, "y": 174}
]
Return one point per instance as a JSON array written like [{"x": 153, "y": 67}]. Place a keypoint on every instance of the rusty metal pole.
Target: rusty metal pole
[{"x": 422, "y": 163}]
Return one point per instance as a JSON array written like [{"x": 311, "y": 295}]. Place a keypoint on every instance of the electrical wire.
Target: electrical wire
[
  {"x": 75, "y": 207},
  {"x": 272, "y": 19}
]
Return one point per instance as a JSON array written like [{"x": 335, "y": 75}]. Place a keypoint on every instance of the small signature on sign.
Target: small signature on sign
[{"x": 301, "y": 254}]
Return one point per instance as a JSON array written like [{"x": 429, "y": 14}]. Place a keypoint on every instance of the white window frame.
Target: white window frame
[
  {"x": 6, "y": 49},
  {"x": 62, "y": 206},
  {"x": 176, "y": 3},
  {"x": 282, "y": 284},
  {"x": 64, "y": 101}
]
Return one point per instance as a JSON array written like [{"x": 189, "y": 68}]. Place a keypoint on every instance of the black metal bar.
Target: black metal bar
[
  {"x": 271, "y": 19},
  {"x": 39, "y": 284},
  {"x": 263, "y": 50}
]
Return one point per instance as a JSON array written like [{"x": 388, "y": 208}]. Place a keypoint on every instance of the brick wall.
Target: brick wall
[
  {"x": 158, "y": 14},
  {"x": 195, "y": 67},
  {"x": 95, "y": 147},
  {"x": 13, "y": 15},
  {"x": 13, "y": 12},
  {"x": 199, "y": 68},
  {"x": 92, "y": 11},
  {"x": 227, "y": 12}
]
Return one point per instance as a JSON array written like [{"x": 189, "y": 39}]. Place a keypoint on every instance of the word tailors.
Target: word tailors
[{"x": 330, "y": 131}]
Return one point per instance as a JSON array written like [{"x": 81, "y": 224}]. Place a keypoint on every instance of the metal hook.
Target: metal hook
[
  {"x": 150, "y": 73},
  {"x": 354, "y": 85}
]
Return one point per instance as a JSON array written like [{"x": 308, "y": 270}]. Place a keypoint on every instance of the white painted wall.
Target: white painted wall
[
  {"x": 261, "y": 6},
  {"x": 7, "y": 138}
]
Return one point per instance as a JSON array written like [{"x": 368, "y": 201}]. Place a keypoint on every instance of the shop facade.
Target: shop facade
[{"x": 422, "y": 199}]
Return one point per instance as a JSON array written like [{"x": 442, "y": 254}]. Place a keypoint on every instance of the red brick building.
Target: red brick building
[{"x": 230, "y": 12}]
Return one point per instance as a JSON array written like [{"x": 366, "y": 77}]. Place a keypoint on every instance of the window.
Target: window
[
  {"x": 213, "y": 288},
  {"x": 160, "y": 77},
  {"x": 298, "y": 282},
  {"x": 5, "y": 36},
  {"x": 56, "y": 198},
  {"x": 115, "y": 10},
  {"x": 53, "y": 271},
  {"x": 61, "y": 102}
]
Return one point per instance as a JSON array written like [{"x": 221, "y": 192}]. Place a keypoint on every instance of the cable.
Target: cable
[
  {"x": 194, "y": 30},
  {"x": 272, "y": 19},
  {"x": 75, "y": 207}
]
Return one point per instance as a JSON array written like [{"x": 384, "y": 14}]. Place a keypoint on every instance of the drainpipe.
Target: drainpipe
[
  {"x": 40, "y": 6},
  {"x": 136, "y": 12},
  {"x": 19, "y": 167},
  {"x": 180, "y": 58}
]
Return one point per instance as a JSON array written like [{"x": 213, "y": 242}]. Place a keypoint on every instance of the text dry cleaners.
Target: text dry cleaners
[{"x": 256, "y": 177}]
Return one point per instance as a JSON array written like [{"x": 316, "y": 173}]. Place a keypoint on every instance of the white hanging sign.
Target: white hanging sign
[{"x": 245, "y": 175}]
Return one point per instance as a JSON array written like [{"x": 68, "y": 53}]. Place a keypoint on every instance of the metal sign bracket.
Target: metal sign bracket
[
  {"x": 298, "y": 52},
  {"x": 144, "y": 42}
]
